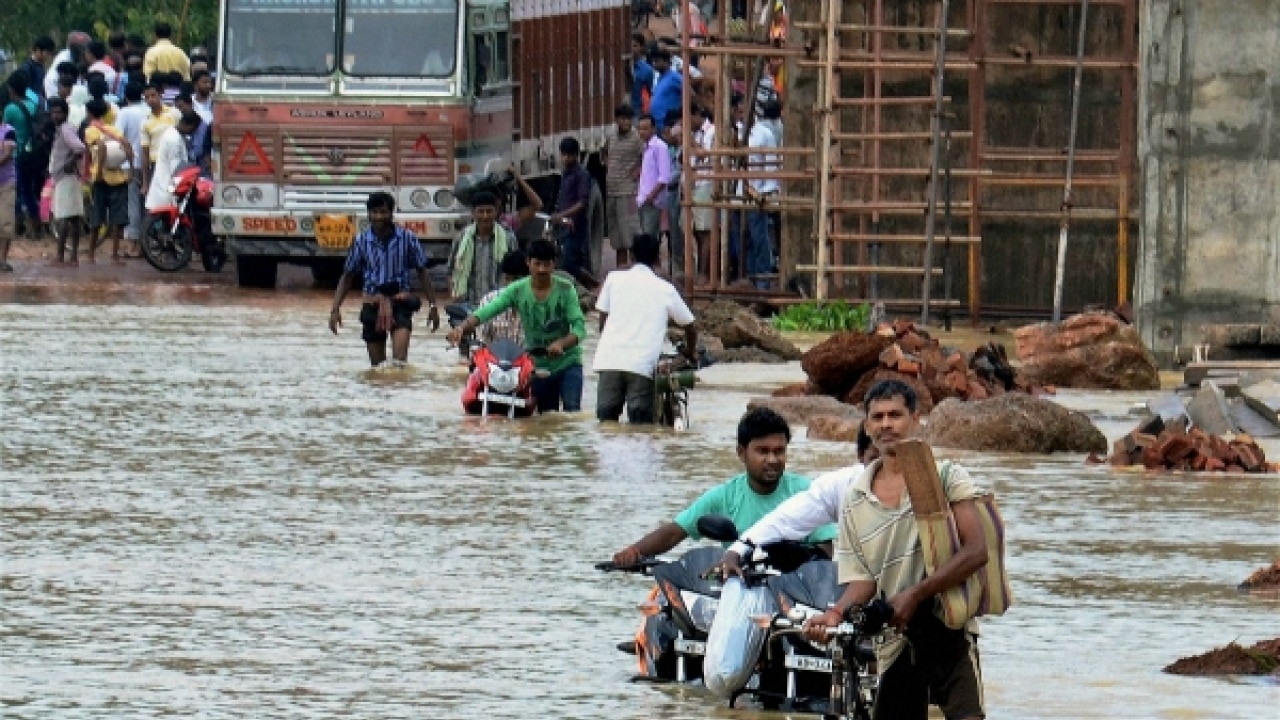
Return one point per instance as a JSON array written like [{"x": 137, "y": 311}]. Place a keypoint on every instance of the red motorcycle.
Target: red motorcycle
[
  {"x": 173, "y": 231},
  {"x": 502, "y": 375}
]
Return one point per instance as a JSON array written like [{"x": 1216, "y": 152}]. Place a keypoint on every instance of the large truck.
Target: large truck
[{"x": 321, "y": 102}]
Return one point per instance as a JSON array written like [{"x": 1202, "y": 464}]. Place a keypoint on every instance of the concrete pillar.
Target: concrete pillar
[{"x": 1209, "y": 148}]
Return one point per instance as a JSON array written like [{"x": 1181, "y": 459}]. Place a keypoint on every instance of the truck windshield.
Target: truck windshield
[
  {"x": 400, "y": 38},
  {"x": 280, "y": 37}
]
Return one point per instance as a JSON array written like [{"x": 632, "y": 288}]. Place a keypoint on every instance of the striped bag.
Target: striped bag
[{"x": 987, "y": 591}]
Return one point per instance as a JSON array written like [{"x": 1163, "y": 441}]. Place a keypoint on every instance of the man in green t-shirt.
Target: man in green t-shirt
[
  {"x": 554, "y": 328},
  {"x": 763, "y": 436}
]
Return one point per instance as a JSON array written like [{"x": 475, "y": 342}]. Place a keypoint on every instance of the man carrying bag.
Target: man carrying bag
[{"x": 880, "y": 552}]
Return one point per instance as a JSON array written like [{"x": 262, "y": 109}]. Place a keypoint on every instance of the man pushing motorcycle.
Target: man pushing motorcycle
[
  {"x": 880, "y": 553},
  {"x": 553, "y": 324},
  {"x": 763, "y": 436}
]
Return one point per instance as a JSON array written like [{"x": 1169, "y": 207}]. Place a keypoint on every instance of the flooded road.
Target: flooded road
[{"x": 220, "y": 512}]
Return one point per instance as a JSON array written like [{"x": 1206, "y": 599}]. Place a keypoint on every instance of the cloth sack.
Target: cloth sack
[
  {"x": 734, "y": 642},
  {"x": 987, "y": 591}
]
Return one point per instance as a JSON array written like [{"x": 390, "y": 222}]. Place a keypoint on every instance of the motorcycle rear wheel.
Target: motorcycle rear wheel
[{"x": 164, "y": 251}]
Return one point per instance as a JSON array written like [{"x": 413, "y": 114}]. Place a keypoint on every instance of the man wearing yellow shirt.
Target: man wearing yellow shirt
[
  {"x": 110, "y": 184},
  {"x": 164, "y": 56},
  {"x": 153, "y": 127}
]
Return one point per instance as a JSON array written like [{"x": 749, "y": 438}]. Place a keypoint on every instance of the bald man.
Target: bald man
[{"x": 75, "y": 39}]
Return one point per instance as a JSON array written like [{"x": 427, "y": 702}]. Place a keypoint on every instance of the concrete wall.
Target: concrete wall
[{"x": 1209, "y": 147}]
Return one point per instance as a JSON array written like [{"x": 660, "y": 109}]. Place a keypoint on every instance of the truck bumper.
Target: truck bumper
[{"x": 291, "y": 234}]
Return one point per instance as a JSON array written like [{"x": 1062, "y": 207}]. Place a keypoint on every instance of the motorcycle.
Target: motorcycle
[
  {"x": 677, "y": 614},
  {"x": 685, "y": 602},
  {"x": 502, "y": 375},
  {"x": 173, "y": 231},
  {"x": 673, "y": 377},
  {"x": 853, "y": 674}
]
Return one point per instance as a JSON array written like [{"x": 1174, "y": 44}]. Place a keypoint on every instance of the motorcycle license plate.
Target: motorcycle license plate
[
  {"x": 504, "y": 399},
  {"x": 691, "y": 647},
  {"x": 808, "y": 663}
]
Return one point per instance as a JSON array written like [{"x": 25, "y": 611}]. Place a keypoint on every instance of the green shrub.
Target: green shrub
[{"x": 834, "y": 316}]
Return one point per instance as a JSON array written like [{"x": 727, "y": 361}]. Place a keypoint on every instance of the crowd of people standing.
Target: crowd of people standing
[
  {"x": 91, "y": 134},
  {"x": 648, "y": 135}
]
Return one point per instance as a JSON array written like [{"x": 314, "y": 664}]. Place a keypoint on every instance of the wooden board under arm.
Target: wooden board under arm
[{"x": 915, "y": 459}]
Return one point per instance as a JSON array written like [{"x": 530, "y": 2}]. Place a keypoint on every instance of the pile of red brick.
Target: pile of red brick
[
  {"x": 948, "y": 372},
  {"x": 846, "y": 365},
  {"x": 1157, "y": 446}
]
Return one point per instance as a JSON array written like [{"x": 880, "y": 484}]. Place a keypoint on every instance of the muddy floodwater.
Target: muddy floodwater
[{"x": 217, "y": 511}]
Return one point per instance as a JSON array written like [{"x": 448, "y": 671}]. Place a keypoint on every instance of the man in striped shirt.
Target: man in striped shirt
[
  {"x": 385, "y": 255},
  {"x": 879, "y": 552}
]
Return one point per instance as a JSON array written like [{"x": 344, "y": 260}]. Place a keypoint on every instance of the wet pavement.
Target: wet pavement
[{"x": 212, "y": 508}]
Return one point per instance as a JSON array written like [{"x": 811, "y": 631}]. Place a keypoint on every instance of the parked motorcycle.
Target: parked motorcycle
[
  {"x": 502, "y": 376},
  {"x": 173, "y": 231}
]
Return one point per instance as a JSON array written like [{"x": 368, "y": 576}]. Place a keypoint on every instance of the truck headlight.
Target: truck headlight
[
  {"x": 231, "y": 195},
  {"x": 444, "y": 198},
  {"x": 419, "y": 198},
  {"x": 253, "y": 195}
]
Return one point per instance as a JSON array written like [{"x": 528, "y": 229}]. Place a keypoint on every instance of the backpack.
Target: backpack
[{"x": 33, "y": 158}]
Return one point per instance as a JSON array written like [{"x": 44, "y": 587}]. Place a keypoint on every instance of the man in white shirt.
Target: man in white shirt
[
  {"x": 704, "y": 138},
  {"x": 635, "y": 305},
  {"x": 805, "y": 512},
  {"x": 129, "y": 122},
  {"x": 169, "y": 154},
  {"x": 74, "y": 39},
  {"x": 759, "y": 245}
]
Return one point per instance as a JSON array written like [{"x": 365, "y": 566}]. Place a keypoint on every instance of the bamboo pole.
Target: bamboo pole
[
  {"x": 829, "y": 87},
  {"x": 685, "y": 201},
  {"x": 930, "y": 218},
  {"x": 1064, "y": 228}
]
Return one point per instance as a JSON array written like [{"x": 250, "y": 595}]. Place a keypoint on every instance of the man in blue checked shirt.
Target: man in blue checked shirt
[{"x": 385, "y": 254}]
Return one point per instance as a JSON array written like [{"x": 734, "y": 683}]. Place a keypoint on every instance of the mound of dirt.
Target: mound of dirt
[
  {"x": 748, "y": 355},
  {"x": 1266, "y": 579},
  {"x": 738, "y": 327},
  {"x": 1262, "y": 658}
]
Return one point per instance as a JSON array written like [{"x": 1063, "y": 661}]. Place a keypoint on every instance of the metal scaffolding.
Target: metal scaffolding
[{"x": 868, "y": 180}]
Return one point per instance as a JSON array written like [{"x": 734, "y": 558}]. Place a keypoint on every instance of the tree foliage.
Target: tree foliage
[{"x": 195, "y": 22}]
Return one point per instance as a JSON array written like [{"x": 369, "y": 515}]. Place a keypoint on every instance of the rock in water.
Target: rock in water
[
  {"x": 827, "y": 427},
  {"x": 924, "y": 398},
  {"x": 837, "y": 364},
  {"x": 1012, "y": 423},
  {"x": 801, "y": 410},
  {"x": 1093, "y": 350}
]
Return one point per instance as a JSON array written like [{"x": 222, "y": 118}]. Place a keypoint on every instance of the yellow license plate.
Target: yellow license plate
[{"x": 335, "y": 232}]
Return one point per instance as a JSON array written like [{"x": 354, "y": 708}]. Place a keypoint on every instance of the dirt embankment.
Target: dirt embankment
[
  {"x": 1264, "y": 580},
  {"x": 1262, "y": 658}
]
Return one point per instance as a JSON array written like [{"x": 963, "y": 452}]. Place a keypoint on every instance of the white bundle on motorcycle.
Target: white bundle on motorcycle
[{"x": 734, "y": 643}]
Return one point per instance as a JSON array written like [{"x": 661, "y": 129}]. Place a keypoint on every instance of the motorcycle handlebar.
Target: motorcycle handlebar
[{"x": 642, "y": 567}]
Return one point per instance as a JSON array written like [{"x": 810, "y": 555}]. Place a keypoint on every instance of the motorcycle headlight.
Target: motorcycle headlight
[
  {"x": 702, "y": 609},
  {"x": 504, "y": 381}
]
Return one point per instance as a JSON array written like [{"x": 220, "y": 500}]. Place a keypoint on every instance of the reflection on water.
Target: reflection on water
[{"x": 221, "y": 512}]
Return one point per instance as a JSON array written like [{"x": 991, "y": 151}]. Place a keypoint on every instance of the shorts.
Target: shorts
[
  {"x": 68, "y": 198},
  {"x": 702, "y": 216},
  {"x": 622, "y": 220},
  {"x": 110, "y": 205},
  {"x": 618, "y": 388},
  {"x": 940, "y": 666},
  {"x": 8, "y": 211},
  {"x": 401, "y": 319}
]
